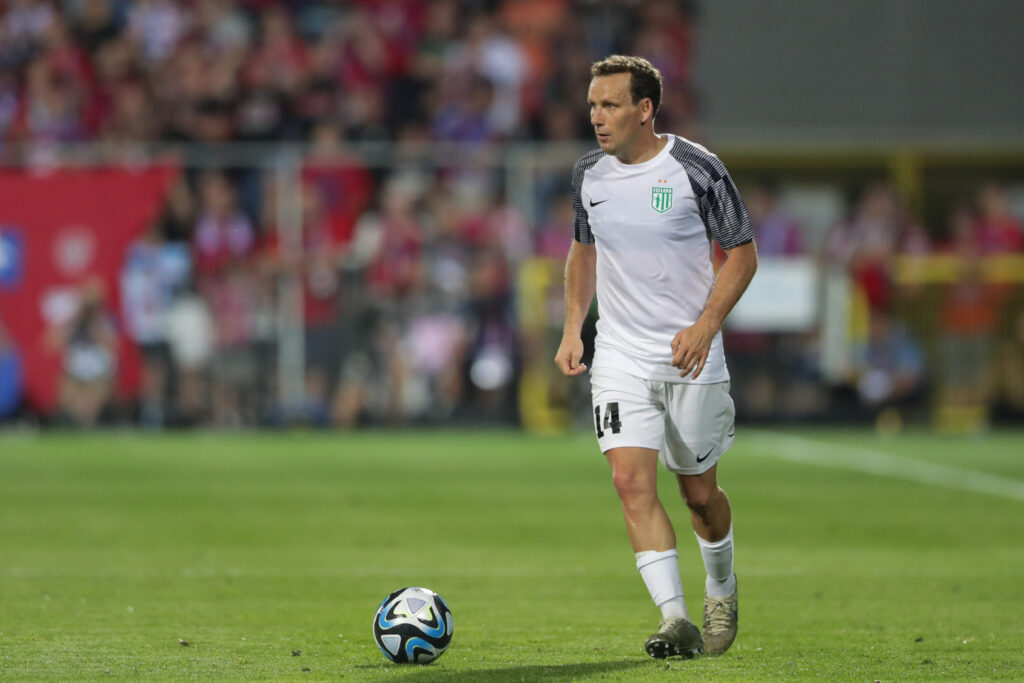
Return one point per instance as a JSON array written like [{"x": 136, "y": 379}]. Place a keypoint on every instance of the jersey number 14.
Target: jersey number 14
[{"x": 611, "y": 419}]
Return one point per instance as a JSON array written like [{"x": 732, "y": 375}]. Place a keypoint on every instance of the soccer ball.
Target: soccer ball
[{"x": 413, "y": 625}]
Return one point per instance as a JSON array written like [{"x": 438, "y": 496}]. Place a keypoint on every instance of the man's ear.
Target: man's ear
[{"x": 646, "y": 111}]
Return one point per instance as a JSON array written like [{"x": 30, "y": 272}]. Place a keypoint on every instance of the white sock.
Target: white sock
[
  {"x": 721, "y": 581},
  {"x": 660, "y": 572}
]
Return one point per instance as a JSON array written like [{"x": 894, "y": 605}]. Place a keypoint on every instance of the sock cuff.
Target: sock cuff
[
  {"x": 647, "y": 557},
  {"x": 715, "y": 545}
]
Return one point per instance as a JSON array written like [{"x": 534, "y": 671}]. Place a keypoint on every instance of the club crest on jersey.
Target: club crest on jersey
[{"x": 661, "y": 199}]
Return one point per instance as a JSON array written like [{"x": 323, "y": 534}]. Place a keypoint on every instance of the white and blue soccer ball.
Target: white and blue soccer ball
[{"x": 413, "y": 625}]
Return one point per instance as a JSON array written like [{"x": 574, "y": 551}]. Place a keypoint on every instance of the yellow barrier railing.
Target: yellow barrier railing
[{"x": 949, "y": 268}]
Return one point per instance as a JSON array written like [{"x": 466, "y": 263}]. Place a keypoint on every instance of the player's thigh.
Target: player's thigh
[
  {"x": 700, "y": 425},
  {"x": 627, "y": 413},
  {"x": 634, "y": 470}
]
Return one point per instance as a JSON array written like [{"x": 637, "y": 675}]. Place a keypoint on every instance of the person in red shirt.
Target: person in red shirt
[{"x": 997, "y": 230}]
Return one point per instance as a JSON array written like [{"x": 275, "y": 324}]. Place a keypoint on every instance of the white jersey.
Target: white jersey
[{"x": 652, "y": 224}]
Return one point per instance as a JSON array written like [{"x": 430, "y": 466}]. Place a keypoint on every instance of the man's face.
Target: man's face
[{"x": 616, "y": 120}]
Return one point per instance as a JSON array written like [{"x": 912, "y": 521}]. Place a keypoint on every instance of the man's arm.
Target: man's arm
[
  {"x": 580, "y": 284},
  {"x": 690, "y": 347}
]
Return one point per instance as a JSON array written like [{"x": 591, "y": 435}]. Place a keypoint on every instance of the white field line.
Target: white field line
[{"x": 806, "y": 451}]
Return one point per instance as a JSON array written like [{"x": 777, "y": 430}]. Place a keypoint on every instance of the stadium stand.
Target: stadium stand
[{"x": 401, "y": 266}]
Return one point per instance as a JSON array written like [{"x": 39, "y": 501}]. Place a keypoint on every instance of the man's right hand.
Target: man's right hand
[{"x": 568, "y": 357}]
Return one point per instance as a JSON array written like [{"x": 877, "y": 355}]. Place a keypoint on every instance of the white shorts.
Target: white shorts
[{"x": 690, "y": 425}]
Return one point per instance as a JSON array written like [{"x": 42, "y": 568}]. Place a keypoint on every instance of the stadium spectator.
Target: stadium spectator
[
  {"x": 343, "y": 184},
  {"x": 154, "y": 271},
  {"x": 224, "y": 244},
  {"x": 889, "y": 370},
  {"x": 426, "y": 363},
  {"x": 9, "y": 103},
  {"x": 778, "y": 232},
  {"x": 465, "y": 116},
  {"x": 493, "y": 361},
  {"x": 178, "y": 217},
  {"x": 335, "y": 190},
  {"x": 997, "y": 230},
  {"x": 380, "y": 264},
  {"x": 191, "y": 341},
  {"x": 447, "y": 254},
  {"x": 156, "y": 27},
  {"x": 281, "y": 49},
  {"x": 131, "y": 118},
  {"x": 360, "y": 395},
  {"x": 113, "y": 67},
  {"x": 263, "y": 111},
  {"x": 539, "y": 28},
  {"x": 87, "y": 342},
  {"x": 488, "y": 68},
  {"x": 234, "y": 303},
  {"x": 93, "y": 23},
  {"x": 23, "y": 26},
  {"x": 10, "y": 376},
  {"x": 49, "y": 109},
  {"x": 389, "y": 242},
  {"x": 223, "y": 234},
  {"x": 224, "y": 26},
  {"x": 969, "y": 316},
  {"x": 316, "y": 262},
  {"x": 865, "y": 243}
]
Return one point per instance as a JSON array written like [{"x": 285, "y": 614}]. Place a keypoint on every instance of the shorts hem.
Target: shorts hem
[
  {"x": 702, "y": 467},
  {"x": 629, "y": 444}
]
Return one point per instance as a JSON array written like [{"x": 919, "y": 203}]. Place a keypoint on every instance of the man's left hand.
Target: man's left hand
[{"x": 690, "y": 348}]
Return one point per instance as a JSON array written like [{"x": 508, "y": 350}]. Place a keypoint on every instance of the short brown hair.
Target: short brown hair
[{"x": 645, "y": 79}]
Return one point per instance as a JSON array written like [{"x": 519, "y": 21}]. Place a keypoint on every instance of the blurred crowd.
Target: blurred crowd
[
  {"x": 406, "y": 275},
  {"x": 405, "y": 281},
  {"x": 946, "y": 348},
  {"x": 262, "y": 70},
  {"x": 406, "y": 267}
]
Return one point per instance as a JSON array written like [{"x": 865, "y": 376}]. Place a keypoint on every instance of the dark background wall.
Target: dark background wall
[{"x": 922, "y": 70}]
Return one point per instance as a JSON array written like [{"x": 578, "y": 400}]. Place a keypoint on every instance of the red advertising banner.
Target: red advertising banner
[{"x": 63, "y": 232}]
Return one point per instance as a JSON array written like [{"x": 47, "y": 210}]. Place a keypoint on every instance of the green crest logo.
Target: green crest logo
[{"x": 661, "y": 199}]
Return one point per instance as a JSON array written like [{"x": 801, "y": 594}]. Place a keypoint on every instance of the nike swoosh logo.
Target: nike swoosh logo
[
  {"x": 593, "y": 203},
  {"x": 705, "y": 456},
  {"x": 732, "y": 431}
]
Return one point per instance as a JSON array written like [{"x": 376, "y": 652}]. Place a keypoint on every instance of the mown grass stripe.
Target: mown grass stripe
[{"x": 803, "y": 450}]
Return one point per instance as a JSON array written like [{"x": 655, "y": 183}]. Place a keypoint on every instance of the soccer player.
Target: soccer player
[{"x": 647, "y": 207}]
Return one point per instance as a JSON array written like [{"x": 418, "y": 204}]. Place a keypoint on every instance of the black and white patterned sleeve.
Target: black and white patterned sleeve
[
  {"x": 721, "y": 206},
  {"x": 580, "y": 219}
]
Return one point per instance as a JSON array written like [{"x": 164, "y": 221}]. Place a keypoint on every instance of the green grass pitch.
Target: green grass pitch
[{"x": 265, "y": 555}]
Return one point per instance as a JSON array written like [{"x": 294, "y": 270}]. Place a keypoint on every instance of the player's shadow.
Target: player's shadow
[{"x": 556, "y": 672}]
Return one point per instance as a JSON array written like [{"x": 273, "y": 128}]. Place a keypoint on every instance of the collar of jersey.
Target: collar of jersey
[{"x": 665, "y": 151}]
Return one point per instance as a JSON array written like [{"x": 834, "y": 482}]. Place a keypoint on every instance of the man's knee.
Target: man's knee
[
  {"x": 700, "y": 498},
  {"x": 632, "y": 485},
  {"x": 700, "y": 491}
]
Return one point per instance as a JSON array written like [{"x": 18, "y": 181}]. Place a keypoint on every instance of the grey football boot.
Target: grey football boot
[
  {"x": 676, "y": 637},
  {"x": 721, "y": 621}
]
